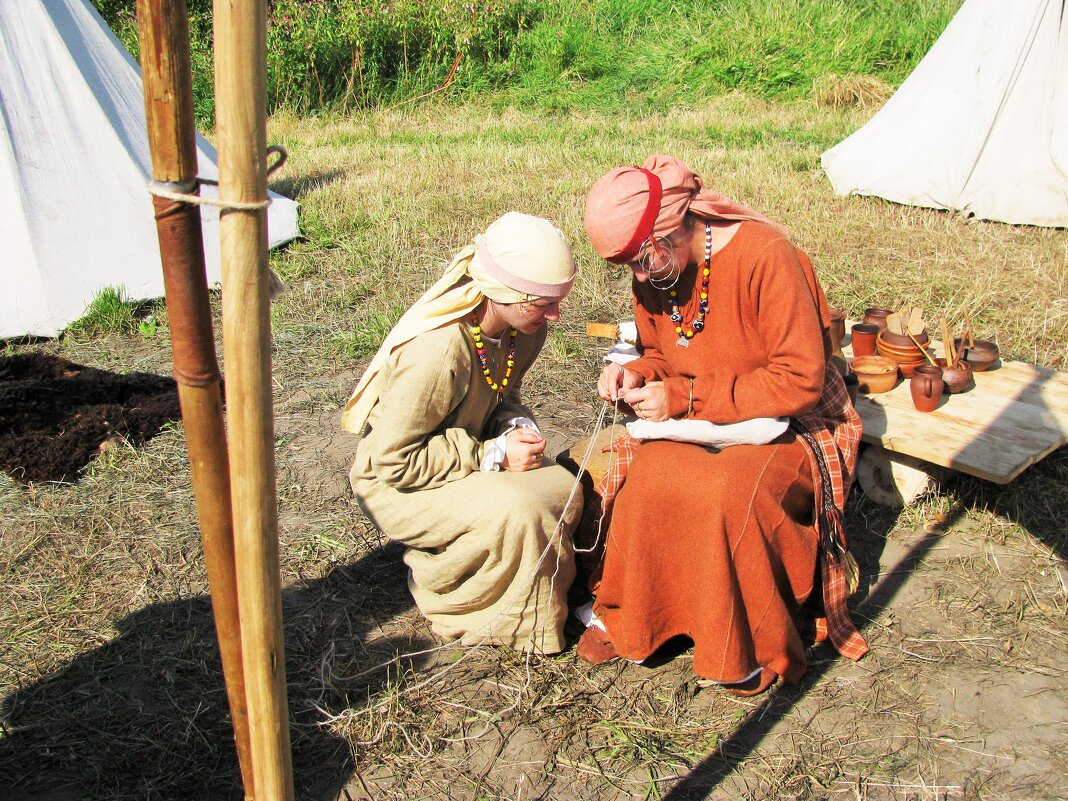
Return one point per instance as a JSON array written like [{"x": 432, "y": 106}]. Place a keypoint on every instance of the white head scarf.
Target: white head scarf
[{"x": 517, "y": 259}]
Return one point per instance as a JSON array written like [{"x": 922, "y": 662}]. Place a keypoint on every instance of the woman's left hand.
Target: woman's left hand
[{"x": 649, "y": 402}]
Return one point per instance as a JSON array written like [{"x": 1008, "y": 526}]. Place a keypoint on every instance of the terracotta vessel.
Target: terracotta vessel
[
  {"x": 907, "y": 368},
  {"x": 926, "y": 386},
  {"x": 958, "y": 377},
  {"x": 899, "y": 353},
  {"x": 876, "y": 315},
  {"x": 982, "y": 355},
  {"x": 862, "y": 336},
  {"x": 875, "y": 373}
]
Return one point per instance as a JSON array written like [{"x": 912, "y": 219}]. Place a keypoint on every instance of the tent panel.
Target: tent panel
[
  {"x": 969, "y": 129},
  {"x": 79, "y": 163}
]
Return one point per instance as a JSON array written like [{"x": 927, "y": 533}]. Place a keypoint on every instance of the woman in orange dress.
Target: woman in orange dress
[{"x": 722, "y": 546}]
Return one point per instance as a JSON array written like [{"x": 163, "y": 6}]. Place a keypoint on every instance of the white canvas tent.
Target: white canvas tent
[
  {"x": 981, "y": 125},
  {"x": 75, "y": 215}
]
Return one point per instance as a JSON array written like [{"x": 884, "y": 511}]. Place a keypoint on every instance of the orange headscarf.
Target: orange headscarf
[{"x": 630, "y": 204}]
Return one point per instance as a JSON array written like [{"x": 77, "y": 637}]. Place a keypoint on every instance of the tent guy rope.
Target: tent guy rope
[{"x": 182, "y": 192}]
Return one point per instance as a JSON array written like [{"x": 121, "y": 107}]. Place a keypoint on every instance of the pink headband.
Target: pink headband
[{"x": 518, "y": 283}]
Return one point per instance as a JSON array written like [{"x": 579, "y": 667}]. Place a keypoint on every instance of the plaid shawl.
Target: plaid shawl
[{"x": 831, "y": 433}]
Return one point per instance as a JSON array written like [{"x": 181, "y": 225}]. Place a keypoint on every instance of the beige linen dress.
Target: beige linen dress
[{"x": 490, "y": 554}]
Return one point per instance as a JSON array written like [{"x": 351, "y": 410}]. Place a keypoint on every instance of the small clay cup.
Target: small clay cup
[
  {"x": 876, "y": 315},
  {"x": 958, "y": 377},
  {"x": 863, "y": 338},
  {"x": 926, "y": 386}
]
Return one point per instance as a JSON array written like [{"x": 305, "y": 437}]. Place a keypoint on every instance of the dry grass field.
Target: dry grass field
[{"x": 110, "y": 686}]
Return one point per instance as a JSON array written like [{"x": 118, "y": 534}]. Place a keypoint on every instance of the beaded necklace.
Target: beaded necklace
[
  {"x": 698, "y": 323},
  {"x": 480, "y": 349}
]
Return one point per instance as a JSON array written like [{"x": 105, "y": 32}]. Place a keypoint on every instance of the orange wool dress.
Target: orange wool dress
[{"x": 722, "y": 546}]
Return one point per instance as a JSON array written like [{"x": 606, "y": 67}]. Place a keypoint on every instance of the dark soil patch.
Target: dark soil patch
[{"x": 56, "y": 416}]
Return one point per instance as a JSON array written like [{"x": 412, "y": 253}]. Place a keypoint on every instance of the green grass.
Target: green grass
[
  {"x": 604, "y": 55},
  {"x": 109, "y": 312},
  {"x": 112, "y": 312}
]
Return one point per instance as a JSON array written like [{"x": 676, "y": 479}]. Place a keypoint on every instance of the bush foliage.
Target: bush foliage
[{"x": 340, "y": 54}]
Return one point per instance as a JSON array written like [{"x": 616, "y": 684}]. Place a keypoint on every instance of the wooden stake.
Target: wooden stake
[
  {"x": 164, "y": 35},
  {"x": 240, "y": 97}
]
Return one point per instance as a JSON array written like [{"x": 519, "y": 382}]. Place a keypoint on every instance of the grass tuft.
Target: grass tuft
[{"x": 850, "y": 91}]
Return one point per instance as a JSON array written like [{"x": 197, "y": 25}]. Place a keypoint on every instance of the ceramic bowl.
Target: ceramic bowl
[
  {"x": 981, "y": 355},
  {"x": 899, "y": 353},
  {"x": 903, "y": 339},
  {"x": 957, "y": 378},
  {"x": 875, "y": 373}
]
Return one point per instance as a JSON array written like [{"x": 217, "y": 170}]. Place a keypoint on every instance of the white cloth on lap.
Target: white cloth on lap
[{"x": 758, "y": 431}]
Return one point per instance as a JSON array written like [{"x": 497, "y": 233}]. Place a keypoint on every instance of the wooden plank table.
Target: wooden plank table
[{"x": 1014, "y": 416}]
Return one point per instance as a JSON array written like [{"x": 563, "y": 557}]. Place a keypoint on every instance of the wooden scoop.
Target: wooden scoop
[
  {"x": 924, "y": 350},
  {"x": 916, "y": 324},
  {"x": 947, "y": 345},
  {"x": 966, "y": 340}
]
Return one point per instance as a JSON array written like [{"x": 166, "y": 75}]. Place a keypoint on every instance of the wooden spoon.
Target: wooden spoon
[
  {"x": 966, "y": 339},
  {"x": 926, "y": 353},
  {"x": 947, "y": 345}
]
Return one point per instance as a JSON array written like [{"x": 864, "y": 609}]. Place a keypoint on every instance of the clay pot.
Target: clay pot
[
  {"x": 926, "y": 386},
  {"x": 958, "y": 377},
  {"x": 981, "y": 355},
  {"x": 863, "y": 335},
  {"x": 874, "y": 373},
  {"x": 876, "y": 315}
]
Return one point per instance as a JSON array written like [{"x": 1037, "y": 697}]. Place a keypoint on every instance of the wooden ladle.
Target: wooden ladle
[{"x": 923, "y": 350}]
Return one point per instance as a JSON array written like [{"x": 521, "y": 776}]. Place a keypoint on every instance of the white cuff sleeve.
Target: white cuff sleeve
[{"x": 496, "y": 448}]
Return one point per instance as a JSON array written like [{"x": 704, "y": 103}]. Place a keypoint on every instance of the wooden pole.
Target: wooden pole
[
  {"x": 240, "y": 97},
  {"x": 164, "y": 33}
]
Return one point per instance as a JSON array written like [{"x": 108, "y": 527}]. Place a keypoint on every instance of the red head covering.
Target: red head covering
[{"x": 630, "y": 204}]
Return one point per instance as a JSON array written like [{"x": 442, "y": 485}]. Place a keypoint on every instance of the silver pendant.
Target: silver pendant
[{"x": 682, "y": 342}]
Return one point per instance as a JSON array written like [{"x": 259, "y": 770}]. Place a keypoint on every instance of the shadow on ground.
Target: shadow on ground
[{"x": 145, "y": 715}]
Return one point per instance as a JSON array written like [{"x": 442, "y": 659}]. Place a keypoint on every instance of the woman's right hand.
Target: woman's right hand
[
  {"x": 524, "y": 450},
  {"x": 615, "y": 380}
]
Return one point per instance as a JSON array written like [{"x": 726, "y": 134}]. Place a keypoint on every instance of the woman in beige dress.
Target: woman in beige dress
[{"x": 452, "y": 464}]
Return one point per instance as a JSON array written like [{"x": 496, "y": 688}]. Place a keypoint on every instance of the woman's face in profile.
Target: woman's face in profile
[{"x": 528, "y": 317}]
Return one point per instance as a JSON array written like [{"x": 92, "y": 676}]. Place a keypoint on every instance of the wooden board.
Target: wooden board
[{"x": 1013, "y": 417}]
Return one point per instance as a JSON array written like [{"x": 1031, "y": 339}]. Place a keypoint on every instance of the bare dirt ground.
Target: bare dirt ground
[{"x": 962, "y": 696}]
